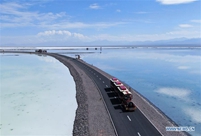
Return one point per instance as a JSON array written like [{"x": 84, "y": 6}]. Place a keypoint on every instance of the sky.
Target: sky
[{"x": 82, "y": 22}]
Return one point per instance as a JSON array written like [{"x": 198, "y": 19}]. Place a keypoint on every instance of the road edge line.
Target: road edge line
[{"x": 115, "y": 130}]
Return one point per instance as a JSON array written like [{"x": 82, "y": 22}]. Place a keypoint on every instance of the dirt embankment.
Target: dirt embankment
[{"x": 91, "y": 115}]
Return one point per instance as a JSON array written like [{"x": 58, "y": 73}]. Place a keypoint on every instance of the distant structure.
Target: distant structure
[
  {"x": 77, "y": 56},
  {"x": 100, "y": 49}
]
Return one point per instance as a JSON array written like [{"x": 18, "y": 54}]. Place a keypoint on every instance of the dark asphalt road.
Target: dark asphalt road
[{"x": 126, "y": 123}]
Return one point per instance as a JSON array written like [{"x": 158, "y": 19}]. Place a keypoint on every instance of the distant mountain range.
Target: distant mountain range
[{"x": 170, "y": 42}]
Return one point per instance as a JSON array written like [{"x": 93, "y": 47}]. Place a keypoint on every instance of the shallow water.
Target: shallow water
[
  {"x": 36, "y": 97},
  {"x": 169, "y": 78}
]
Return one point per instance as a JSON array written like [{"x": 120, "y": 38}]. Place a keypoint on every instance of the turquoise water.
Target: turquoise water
[
  {"x": 37, "y": 96},
  {"x": 169, "y": 78}
]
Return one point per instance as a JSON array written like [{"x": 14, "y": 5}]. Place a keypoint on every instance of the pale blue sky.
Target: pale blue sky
[{"x": 32, "y": 22}]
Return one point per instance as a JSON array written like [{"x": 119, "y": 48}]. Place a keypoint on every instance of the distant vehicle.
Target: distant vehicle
[
  {"x": 130, "y": 106},
  {"x": 123, "y": 94},
  {"x": 41, "y": 51}
]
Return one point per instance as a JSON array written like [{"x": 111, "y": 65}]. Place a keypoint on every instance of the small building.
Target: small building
[{"x": 77, "y": 56}]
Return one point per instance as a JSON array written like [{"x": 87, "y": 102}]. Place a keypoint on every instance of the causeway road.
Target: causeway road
[{"x": 125, "y": 123}]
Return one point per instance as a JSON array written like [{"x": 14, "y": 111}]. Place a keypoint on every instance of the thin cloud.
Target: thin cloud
[
  {"x": 15, "y": 15},
  {"x": 62, "y": 33},
  {"x": 53, "y": 32},
  {"x": 170, "y": 2},
  {"x": 196, "y": 21},
  {"x": 185, "y": 25},
  {"x": 141, "y": 12},
  {"x": 94, "y": 6},
  {"x": 183, "y": 67},
  {"x": 118, "y": 10},
  {"x": 72, "y": 25},
  {"x": 10, "y": 7}
]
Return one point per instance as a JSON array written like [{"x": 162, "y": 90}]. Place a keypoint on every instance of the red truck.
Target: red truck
[{"x": 123, "y": 94}]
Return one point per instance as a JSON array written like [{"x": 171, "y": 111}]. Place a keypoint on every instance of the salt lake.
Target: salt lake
[
  {"x": 37, "y": 96},
  {"x": 169, "y": 78}
]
